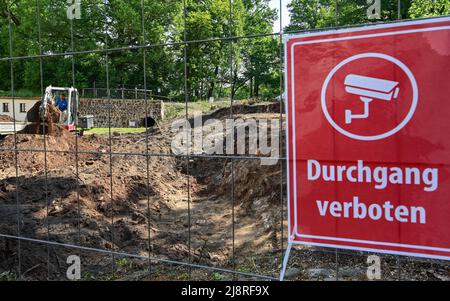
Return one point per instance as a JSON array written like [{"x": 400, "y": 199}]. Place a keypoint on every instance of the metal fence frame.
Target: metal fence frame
[
  {"x": 122, "y": 93},
  {"x": 106, "y": 51}
]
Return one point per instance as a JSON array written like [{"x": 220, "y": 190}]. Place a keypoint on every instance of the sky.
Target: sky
[{"x": 284, "y": 10}]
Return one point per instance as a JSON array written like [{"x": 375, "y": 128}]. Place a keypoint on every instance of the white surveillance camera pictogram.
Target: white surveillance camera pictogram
[{"x": 368, "y": 89}]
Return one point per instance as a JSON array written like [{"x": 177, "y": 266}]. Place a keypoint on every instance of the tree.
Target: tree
[
  {"x": 207, "y": 55},
  {"x": 313, "y": 14},
  {"x": 429, "y": 8},
  {"x": 216, "y": 64},
  {"x": 258, "y": 62},
  {"x": 310, "y": 14},
  {"x": 116, "y": 23}
]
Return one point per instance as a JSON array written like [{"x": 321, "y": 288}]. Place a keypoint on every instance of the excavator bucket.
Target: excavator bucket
[{"x": 43, "y": 121}]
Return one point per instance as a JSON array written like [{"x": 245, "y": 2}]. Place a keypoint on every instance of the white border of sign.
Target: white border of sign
[{"x": 295, "y": 232}]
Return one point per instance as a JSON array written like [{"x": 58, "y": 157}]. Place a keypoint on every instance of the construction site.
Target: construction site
[
  {"x": 170, "y": 146},
  {"x": 71, "y": 182},
  {"x": 126, "y": 193}
]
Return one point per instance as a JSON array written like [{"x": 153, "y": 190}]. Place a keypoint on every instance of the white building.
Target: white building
[{"x": 22, "y": 106}]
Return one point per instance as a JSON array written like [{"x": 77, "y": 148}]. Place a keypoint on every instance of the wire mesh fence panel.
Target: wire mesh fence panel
[{"x": 183, "y": 175}]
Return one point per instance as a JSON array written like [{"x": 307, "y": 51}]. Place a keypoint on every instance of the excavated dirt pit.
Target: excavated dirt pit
[
  {"x": 66, "y": 198},
  {"x": 40, "y": 183}
]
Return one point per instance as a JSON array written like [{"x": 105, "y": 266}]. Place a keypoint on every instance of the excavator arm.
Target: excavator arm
[{"x": 46, "y": 100}]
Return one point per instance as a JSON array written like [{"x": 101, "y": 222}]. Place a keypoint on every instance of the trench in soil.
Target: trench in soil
[{"x": 184, "y": 210}]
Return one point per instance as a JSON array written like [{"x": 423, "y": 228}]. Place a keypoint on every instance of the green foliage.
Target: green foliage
[
  {"x": 88, "y": 276},
  {"x": 105, "y": 131},
  {"x": 174, "y": 110},
  {"x": 429, "y": 8},
  {"x": 218, "y": 277},
  {"x": 257, "y": 67},
  {"x": 312, "y": 14},
  {"x": 8, "y": 276},
  {"x": 240, "y": 68},
  {"x": 118, "y": 24},
  {"x": 19, "y": 93},
  {"x": 124, "y": 263}
]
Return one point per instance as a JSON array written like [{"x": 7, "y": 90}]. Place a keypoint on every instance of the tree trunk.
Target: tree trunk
[
  {"x": 256, "y": 89},
  {"x": 202, "y": 83},
  {"x": 213, "y": 83},
  {"x": 233, "y": 85},
  {"x": 220, "y": 90}
]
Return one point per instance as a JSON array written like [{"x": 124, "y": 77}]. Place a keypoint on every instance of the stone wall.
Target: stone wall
[{"x": 123, "y": 111}]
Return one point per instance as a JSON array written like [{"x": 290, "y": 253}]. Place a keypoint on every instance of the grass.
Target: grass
[
  {"x": 174, "y": 110},
  {"x": 124, "y": 264},
  {"x": 8, "y": 276},
  {"x": 105, "y": 131}
]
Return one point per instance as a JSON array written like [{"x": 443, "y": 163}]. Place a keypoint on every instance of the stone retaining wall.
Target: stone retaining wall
[{"x": 123, "y": 111}]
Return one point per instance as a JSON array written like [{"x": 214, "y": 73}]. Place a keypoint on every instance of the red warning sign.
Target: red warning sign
[{"x": 368, "y": 145}]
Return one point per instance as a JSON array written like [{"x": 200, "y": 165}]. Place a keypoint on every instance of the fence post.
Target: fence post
[{"x": 285, "y": 261}]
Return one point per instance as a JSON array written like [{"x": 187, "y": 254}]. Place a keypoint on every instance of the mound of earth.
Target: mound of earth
[
  {"x": 131, "y": 202},
  {"x": 76, "y": 190},
  {"x": 240, "y": 109},
  {"x": 53, "y": 130},
  {"x": 50, "y": 126},
  {"x": 70, "y": 196},
  {"x": 6, "y": 118},
  {"x": 36, "y": 151}
]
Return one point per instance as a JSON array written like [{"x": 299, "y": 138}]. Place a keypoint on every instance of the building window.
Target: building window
[
  {"x": 23, "y": 108},
  {"x": 5, "y": 107}
]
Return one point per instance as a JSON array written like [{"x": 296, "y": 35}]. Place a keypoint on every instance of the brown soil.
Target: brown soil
[
  {"x": 67, "y": 198},
  {"x": 6, "y": 118},
  {"x": 119, "y": 219},
  {"x": 50, "y": 126}
]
